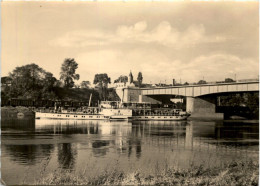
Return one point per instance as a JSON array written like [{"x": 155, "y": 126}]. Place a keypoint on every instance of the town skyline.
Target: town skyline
[{"x": 164, "y": 41}]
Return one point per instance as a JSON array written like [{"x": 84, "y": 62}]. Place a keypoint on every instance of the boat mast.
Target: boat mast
[
  {"x": 89, "y": 100},
  {"x": 123, "y": 95}
]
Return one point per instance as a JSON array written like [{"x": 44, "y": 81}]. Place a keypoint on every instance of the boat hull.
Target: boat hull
[
  {"x": 78, "y": 116},
  {"x": 160, "y": 118},
  {"x": 117, "y": 114},
  {"x": 39, "y": 115},
  {"x": 118, "y": 117}
]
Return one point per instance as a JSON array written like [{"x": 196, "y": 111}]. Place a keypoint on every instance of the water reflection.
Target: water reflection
[
  {"x": 28, "y": 154},
  {"x": 189, "y": 136},
  {"x": 66, "y": 127},
  {"x": 82, "y": 127},
  {"x": 243, "y": 134},
  {"x": 159, "y": 134},
  {"x": 99, "y": 147},
  {"x": 67, "y": 153},
  {"x": 72, "y": 143},
  {"x": 17, "y": 124},
  {"x": 236, "y": 130}
]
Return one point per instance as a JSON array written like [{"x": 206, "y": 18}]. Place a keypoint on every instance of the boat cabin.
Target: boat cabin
[
  {"x": 137, "y": 105},
  {"x": 110, "y": 104}
]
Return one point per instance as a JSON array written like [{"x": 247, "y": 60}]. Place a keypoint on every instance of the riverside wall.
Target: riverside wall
[
  {"x": 16, "y": 113},
  {"x": 203, "y": 107}
]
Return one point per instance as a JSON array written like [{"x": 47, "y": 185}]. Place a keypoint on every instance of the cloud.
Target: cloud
[
  {"x": 162, "y": 34},
  {"x": 212, "y": 68},
  {"x": 156, "y": 66},
  {"x": 219, "y": 66},
  {"x": 102, "y": 61},
  {"x": 81, "y": 38},
  {"x": 130, "y": 32}
]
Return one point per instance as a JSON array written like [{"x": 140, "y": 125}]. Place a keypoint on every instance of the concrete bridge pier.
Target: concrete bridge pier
[{"x": 203, "y": 107}]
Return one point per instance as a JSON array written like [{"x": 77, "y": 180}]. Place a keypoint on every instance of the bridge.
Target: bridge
[
  {"x": 203, "y": 89},
  {"x": 200, "y": 99}
]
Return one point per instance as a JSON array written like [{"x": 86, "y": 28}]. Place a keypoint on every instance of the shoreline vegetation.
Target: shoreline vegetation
[
  {"x": 242, "y": 172},
  {"x": 31, "y": 82}
]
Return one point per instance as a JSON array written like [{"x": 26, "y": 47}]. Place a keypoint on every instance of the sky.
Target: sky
[{"x": 186, "y": 41}]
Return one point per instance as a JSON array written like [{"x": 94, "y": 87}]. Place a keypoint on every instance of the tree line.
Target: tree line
[
  {"x": 33, "y": 82},
  {"x": 124, "y": 79}
]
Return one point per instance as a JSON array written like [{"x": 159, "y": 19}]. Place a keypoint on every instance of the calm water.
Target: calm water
[{"x": 31, "y": 148}]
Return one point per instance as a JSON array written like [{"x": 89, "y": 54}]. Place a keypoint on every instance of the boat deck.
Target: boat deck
[{"x": 70, "y": 115}]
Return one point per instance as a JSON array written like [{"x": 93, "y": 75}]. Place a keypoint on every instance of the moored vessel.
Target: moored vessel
[
  {"x": 161, "y": 117},
  {"x": 106, "y": 110},
  {"x": 115, "y": 110},
  {"x": 144, "y": 111}
]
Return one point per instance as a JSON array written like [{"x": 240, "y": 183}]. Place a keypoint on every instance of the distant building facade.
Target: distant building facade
[{"x": 129, "y": 83}]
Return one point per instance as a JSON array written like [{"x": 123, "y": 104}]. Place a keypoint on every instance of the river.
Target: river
[{"x": 33, "y": 148}]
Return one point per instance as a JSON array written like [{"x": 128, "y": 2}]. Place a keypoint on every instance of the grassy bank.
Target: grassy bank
[{"x": 233, "y": 173}]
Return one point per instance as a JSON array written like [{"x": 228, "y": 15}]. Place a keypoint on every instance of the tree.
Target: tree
[
  {"x": 140, "y": 79},
  {"x": 202, "y": 82},
  {"x": 121, "y": 79},
  {"x": 102, "y": 81},
  {"x": 186, "y": 83},
  {"x": 68, "y": 72},
  {"x": 131, "y": 78},
  {"x": 49, "y": 83},
  {"x": 84, "y": 84},
  {"x": 5, "y": 87},
  {"x": 6, "y": 81},
  {"x": 112, "y": 95},
  {"x": 253, "y": 103},
  {"x": 229, "y": 80},
  {"x": 31, "y": 82}
]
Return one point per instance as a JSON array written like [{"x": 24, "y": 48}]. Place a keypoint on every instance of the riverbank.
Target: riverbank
[
  {"x": 9, "y": 112},
  {"x": 241, "y": 121},
  {"x": 233, "y": 173}
]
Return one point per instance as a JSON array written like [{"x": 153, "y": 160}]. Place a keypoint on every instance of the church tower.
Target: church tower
[{"x": 130, "y": 78}]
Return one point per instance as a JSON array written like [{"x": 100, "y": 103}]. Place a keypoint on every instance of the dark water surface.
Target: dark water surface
[{"x": 33, "y": 148}]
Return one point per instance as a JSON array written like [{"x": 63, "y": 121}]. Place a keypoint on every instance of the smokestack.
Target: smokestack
[{"x": 173, "y": 82}]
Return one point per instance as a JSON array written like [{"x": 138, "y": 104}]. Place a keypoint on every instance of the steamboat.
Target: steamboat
[
  {"x": 115, "y": 110},
  {"x": 145, "y": 111},
  {"x": 106, "y": 110}
]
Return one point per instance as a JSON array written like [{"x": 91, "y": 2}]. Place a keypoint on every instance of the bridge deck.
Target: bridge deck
[{"x": 203, "y": 89}]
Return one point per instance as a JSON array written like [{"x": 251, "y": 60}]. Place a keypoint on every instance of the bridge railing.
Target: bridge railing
[
  {"x": 248, "y": 80},
  {"x": 215, "y": 82}
]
